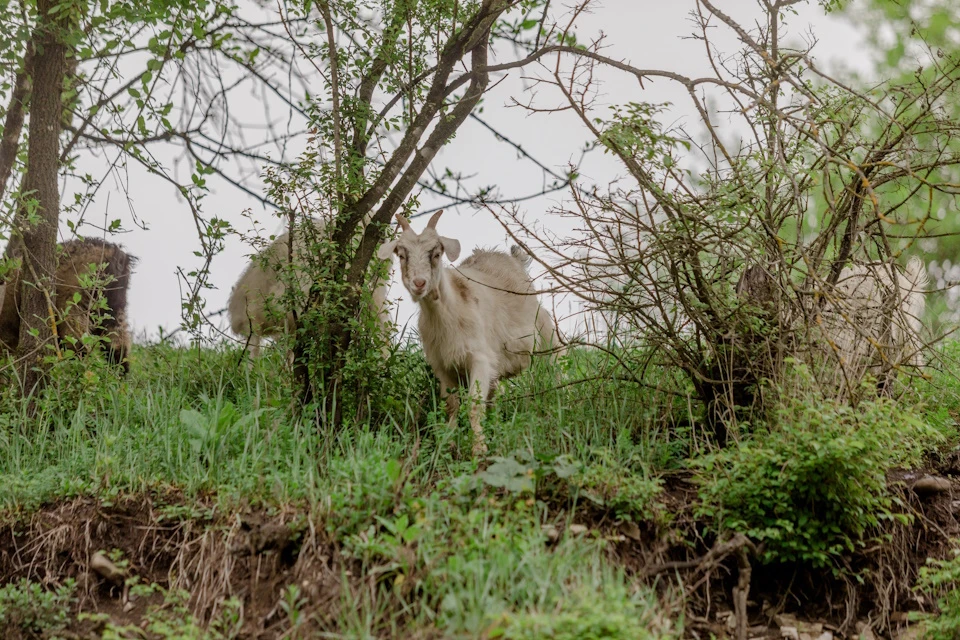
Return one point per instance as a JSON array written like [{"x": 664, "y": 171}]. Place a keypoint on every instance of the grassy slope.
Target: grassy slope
[
  {"x": 197, "y": 422},
  {"x": 397, "y": 493}
]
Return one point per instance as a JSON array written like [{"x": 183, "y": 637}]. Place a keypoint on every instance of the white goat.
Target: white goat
[
  {"x": 872, "y": 324},
  {"x": 479, "y": 322},
  {"x": 259, "y": 288}
]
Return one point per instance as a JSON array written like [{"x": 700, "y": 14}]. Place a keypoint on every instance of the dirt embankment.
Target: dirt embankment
[
  {"x": 252, "y": 556},
  {"x": 249, "y": 559}
]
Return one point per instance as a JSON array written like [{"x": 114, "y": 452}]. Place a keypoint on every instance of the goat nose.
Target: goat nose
[{"x": 419, "y": 283}]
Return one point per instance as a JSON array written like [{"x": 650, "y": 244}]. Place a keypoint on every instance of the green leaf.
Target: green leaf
[
  {"x": 510, "y": 475},
  {"x": 393, "y": 469}
]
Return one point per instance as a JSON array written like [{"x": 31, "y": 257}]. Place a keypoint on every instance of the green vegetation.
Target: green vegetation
[
  {"x": 812, "y": 484},
  {"x": 453, "y": 544},
  {"x": 726, "y": 427},
  {"x": 941, "y": 578},
  {"x": 521, "y": 545},
  {"x": 26, "y": 608}
]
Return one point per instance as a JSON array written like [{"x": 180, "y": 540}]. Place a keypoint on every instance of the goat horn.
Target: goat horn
[
  {"x": 433, "y": 220},
  {"x": 404, "y": 223}
]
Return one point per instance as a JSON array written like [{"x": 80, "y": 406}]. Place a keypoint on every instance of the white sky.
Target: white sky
[{"x": 647, "y": 33}]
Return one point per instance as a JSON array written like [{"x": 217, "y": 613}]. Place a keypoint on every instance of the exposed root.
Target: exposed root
[{"x": 250, "y": 557}]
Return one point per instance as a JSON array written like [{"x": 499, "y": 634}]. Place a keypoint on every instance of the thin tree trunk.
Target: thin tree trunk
[
  {"x": 40, "y": 185},
  {"x": 337, "y": 334},
  {"x": 13, "y": 122}
]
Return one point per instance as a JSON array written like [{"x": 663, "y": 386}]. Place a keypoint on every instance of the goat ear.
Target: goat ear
[
  {"x": 386, "y": 250},
  {"x": 451, "y": 247}
]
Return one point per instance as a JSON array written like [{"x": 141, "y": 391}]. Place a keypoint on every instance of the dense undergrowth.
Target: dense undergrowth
[{"x": 526, "y": 544}]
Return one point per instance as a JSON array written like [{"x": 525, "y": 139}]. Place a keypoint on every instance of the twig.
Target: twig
[{"x": 709, "y": 560}]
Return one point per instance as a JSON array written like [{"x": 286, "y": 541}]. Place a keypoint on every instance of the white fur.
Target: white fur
[
  {"x": 480, "y": 322},
  {"x": 873, "y": 325},
  {"x": 258, "y": 289}
]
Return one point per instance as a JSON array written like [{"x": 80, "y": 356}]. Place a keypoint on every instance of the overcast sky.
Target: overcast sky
[{"x": 647, "y": 33}]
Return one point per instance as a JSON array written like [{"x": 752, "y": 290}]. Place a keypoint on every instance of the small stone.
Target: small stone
[
  {"x": 826, "y": 635},
  {"x": 127, "y": 608},
  {"x": 811, "y": 628},
  {"x": 732, "y": 621},
  {"x": 577, "y": 529},
  {"x": 865, "y": 632},
  {"x": 630, "y": 529},
  {"x": 909, "y": 633},
  {"x": 786, "y": 620},
  {"x": 790, "y": 633},
  {"x": 931, "y": 485},
  {"x": 805, "y": 636},
  {"x": 551, "y": 532}
]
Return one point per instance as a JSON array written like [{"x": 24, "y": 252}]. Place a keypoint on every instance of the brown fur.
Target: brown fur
[
  {"x": 463, "y": 289},
  {"x": 75, "y": 258}
]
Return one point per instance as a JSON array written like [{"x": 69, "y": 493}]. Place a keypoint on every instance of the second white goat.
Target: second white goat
[
  {"x": 873, "y": 321},
  {"x": 480, "y": 322},
  {"x": 260, "y": 287}
]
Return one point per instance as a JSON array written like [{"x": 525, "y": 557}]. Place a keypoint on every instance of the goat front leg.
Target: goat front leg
[
  {"x": 451, "y": 400},
  {"x": 481, "y": 380}
]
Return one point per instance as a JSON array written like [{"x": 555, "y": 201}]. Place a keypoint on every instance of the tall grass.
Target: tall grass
[
  {"x": 395, "y": 488},
  {"x": 453, "y": 546}
]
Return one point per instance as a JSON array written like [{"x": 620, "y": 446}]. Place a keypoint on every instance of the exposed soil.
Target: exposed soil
[
  {"x": 254, "y": 555},
  {"x": 831, "y": 601}
]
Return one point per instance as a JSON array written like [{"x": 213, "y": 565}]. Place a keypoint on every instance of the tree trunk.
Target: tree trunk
[
  {"x": 336, "y": 336},
  {"x": 38, "y": 240},
  {"x": 13, "y": 123}
]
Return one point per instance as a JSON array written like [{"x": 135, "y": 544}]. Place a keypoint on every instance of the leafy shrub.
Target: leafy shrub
[
  {"x": 942, "y": 579},
  {"x": 625, "y": 491},
  {"x": 25, "y": 607},
  {"x": 210, "y": 433},
  {"x": 812, "y": 486},
  {"x": 171, "y": 618}
]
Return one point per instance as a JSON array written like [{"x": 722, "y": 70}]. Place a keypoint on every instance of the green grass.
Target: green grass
[
  {"x": 199, "y": 422},
  {"x": 396, "y": 489},
  {"x": 456, "y": 546}
]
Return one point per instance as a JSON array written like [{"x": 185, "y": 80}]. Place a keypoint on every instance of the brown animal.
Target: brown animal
[{"x": 105, "y": 262}]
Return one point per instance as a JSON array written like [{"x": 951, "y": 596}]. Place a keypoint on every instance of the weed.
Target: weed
[
  {"x": 589, "y": 615},
  {"x": 292, "y": 603},
  {"x": 605, "y": 482},
  {"x": 941, "y": 578},
  {"x": 812, "y": 486},
  {"x": 27, "y": 608},
  {"x": 171, "y": 618}
]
